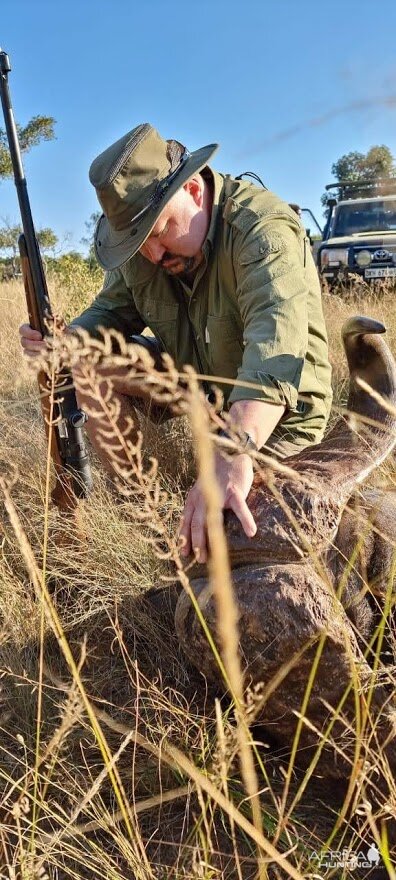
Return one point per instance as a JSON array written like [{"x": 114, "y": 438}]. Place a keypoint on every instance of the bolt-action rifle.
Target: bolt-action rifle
[{"x": 63, "y": 418}]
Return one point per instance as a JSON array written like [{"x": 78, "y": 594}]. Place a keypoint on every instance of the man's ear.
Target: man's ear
[{"x": 195, "y": 187}]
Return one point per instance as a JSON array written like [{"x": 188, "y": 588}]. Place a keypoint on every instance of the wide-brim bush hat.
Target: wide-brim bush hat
[{"x": 134, "y": 179}]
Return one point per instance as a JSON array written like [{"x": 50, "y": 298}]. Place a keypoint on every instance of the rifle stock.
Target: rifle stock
[{"x": 62, "y": 417}]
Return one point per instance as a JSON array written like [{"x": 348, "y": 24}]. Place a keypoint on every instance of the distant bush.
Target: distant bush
[{"x": 80, "y": 279}]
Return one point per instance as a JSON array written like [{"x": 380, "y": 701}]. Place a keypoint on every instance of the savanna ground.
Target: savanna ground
[{"x": 117, "y": 759}]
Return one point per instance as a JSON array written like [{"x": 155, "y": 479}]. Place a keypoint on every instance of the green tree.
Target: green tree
[
  {"x": 9, "y": 244},
  {"x": 40, "y": 128},
  {"x": 9, "y": 235},
  {"x": 47, "y": 240},
  {"x": 377, "y": 163}
]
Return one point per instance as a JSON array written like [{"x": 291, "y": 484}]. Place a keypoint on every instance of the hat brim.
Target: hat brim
[{"x": 113, "y": 249}]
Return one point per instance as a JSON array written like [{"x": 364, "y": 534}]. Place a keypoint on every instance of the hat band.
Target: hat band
[{"x": 161, "y": 188}]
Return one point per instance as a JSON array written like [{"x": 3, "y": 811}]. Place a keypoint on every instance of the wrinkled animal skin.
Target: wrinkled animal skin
[{"x": 305, "y": 576}]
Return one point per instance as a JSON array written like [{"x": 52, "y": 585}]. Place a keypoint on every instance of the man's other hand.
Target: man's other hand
[{"x": 234, "y": 477}]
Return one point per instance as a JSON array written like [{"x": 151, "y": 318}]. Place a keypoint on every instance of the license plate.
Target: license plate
[{"x": 385, "y": 272}]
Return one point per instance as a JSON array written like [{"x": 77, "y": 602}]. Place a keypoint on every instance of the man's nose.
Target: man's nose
[{"x": 153, "y": 251}]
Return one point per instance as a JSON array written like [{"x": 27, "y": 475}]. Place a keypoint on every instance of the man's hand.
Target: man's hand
[
  {"x": 31, "y": 341},
  {"x": 234, "y": 477}
]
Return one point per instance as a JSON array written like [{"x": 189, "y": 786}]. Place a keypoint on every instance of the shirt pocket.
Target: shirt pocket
[
  {"x": 225, "y": 346},
  {"x": 162, "y": 321}
]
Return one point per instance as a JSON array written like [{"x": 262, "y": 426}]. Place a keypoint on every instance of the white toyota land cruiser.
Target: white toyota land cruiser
[{"x": 359, "y": 237}]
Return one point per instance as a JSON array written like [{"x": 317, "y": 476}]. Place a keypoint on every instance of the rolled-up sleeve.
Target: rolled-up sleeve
[
  {"x": 113, "y": 308},
  {"x": 272, "y": 296}
]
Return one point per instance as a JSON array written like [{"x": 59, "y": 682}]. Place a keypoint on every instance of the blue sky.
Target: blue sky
[{"x": 284, "y": 87}]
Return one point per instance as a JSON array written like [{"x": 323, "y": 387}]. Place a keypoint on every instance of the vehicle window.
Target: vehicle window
[{"x": 365, "y": 217}]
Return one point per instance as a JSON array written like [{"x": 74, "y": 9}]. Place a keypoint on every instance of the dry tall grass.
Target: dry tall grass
[{"x": 117, "y": 760}]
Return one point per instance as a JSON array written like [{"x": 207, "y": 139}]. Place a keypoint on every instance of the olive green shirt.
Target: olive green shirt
[{"x": 255, "y": 305}]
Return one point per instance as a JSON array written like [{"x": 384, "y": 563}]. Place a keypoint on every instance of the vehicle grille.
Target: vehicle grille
[{"x": 381, "y": 256}]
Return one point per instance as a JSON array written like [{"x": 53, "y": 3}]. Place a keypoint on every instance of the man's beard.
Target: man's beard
[{"x": 177, "y": 264}]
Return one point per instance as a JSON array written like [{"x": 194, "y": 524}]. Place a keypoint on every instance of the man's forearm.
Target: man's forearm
[{"x": 257, "y": 417}]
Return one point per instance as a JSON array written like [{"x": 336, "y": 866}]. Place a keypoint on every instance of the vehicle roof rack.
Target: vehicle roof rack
[{"x": 379, "y": 185}]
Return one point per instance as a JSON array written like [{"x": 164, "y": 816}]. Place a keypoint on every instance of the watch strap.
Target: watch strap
[{"x": 245, "y": 444}]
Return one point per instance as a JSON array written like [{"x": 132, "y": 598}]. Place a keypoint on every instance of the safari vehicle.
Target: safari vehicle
[{"x": 359, "y": 237}]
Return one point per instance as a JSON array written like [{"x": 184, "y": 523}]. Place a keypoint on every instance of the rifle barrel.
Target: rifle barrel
[
  {"x": 68, "y": 448},
  {"x": 36, "y": 265}
]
